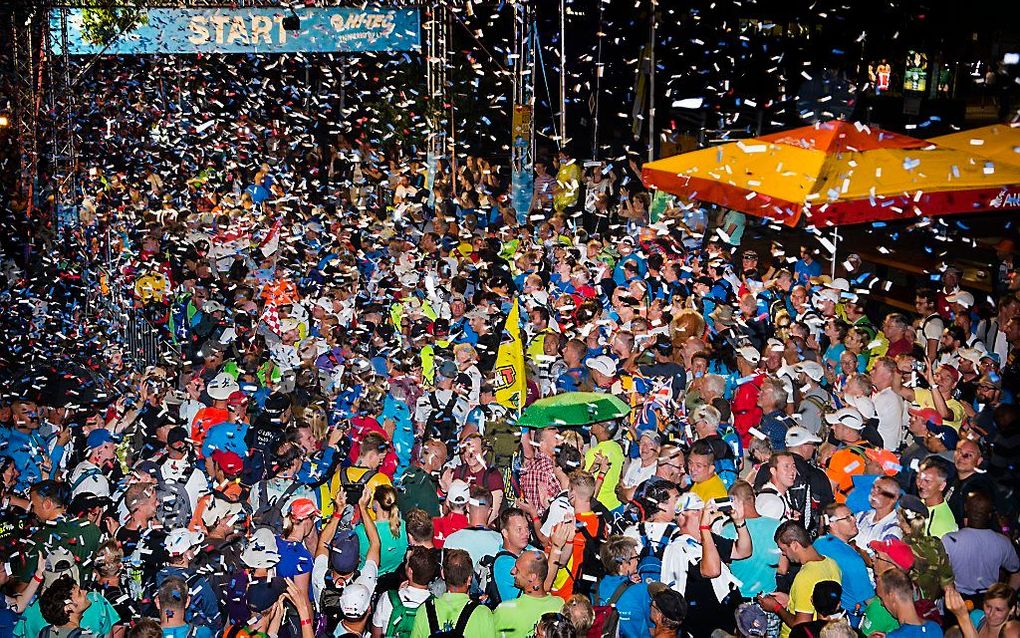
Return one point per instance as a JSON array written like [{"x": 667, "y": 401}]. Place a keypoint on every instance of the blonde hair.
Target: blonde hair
[{"x": 385, "y": 497}]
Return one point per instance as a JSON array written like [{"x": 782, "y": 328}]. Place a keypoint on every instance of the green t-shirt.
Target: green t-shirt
[
  {"x": 612, "y": 450},
  {"x": 877, "y": 618},
  {"x": 391, "y": 549},
  {"x": 80, "y": 538},
  {"x": 99, "y": 618},
  {"x": 517, "y": 618},
  {"x": 448, "y": 608}
]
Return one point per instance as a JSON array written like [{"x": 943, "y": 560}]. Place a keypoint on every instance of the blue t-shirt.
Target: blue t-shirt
[
  {"x": 930, "y": 629},
  {"x": 758, "y": 573},
  {"x": 228, "y": 437},
  {"x": 857, "y": 587},
  {"x": 857, "y": 499},
  {"x": 634, "y": 606},
  {"x": 501, "y": 568},
  {"x": 187, "y": 631},
  {"x": 295, "y": 559}
]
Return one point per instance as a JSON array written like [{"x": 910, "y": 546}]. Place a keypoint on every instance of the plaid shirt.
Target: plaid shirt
[{"x": 538, "y": 481}]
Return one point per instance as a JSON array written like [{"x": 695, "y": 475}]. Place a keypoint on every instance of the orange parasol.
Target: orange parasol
[{"x": 837, "y": 173}]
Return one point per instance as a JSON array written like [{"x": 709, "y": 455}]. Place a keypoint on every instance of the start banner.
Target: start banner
[{"x": 254, "y": 30}]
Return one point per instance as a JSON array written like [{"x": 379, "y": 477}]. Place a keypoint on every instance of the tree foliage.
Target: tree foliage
[{"x": 107, "y": 20}]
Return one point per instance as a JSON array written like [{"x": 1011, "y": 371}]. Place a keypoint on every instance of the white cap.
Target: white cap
[
  {"x": 288, "y": 324},
  {"x": 864, "y": 405},
  {"x": 222, "y": 386},
  {"x": 325, "y": 303},
  {"x": 813, "y": 369},
  {"x": 827, "y": 294},
  {"x": 602, "y": 364},
  {"x": 961, "y": 297},
  {"x": 799, "y": 435},
  {"x": 749, "y": 354},
  {"x": 973, "y": 355},
  {"x": 841, "y": 284},
  {"x": 181, "y": 540},
  {"x": 355, "y": 600},
  {"x": 219, "y": 509},
  {"x": 849, "y": 417},
  {"x": 261, "y": 551},
  {"x": 459, "y": 493},
  {"x": 689, "y": 501},
  {"x": 770, "y": 506}
]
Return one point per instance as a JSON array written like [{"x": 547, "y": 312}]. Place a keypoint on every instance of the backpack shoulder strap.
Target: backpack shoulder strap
[
  {"x": 618, "y": 592},
  {"x": 86, "y": 475},
  {"x": 430, "y": 613},
  {"x": 366, "y": 477},
  {"x": 263, "y": 493},
  {"x": 464, "y": 617}
]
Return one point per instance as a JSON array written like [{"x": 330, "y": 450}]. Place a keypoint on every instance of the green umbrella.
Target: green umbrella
[{"x": 573, "y": 408}]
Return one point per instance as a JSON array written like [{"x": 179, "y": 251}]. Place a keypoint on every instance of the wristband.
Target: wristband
[
  {"x": 536, "y": 519},
  {"x": 602, "y": 476},
  {"x": 306, "y": 622},
  {"x": 37, "y": 578},
  {"x": 705, "y": 528},
  {"x": 742, "y": 524}
]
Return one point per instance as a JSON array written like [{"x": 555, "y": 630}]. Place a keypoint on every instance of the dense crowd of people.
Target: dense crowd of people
[{"x": 321, "y": 452}]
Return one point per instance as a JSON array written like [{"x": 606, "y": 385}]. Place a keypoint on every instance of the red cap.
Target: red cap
[
  {"x": 302, "y": 508},
  {"x": 229, "y": 462},
  {"x": 930, "y": 415},
  {"x": 953, "y": 371},
  {"x": 237, "y": 398},
  {"x": 898, "y": 552}
]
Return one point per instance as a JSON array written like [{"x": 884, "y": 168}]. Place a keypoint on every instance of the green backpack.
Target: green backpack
[{"x": 401, "y": 618}]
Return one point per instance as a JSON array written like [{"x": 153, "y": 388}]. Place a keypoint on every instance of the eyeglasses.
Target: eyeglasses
[{"x": 841, "y": 518}]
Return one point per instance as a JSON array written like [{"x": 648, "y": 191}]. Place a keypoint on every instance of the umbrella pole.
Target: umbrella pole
[{"x": 835, "y": 249}]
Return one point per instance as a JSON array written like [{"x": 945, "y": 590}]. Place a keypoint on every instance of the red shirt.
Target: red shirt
[
  {"x": 746, "y": 413},
  {"x": 903, "y": 346},
  {"x": 205, "y": 419},
  {"x": 443, "y": 526},
  {"x": 362, "y": 425}
]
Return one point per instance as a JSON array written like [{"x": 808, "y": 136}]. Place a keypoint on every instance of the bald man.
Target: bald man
[{"x": 518, "y": 617}]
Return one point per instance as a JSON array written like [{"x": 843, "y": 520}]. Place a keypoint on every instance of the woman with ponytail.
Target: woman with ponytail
[{"x": 392, "y": 532}]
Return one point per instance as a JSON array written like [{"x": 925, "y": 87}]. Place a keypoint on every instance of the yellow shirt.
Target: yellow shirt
[
  {"x": 924, "y": 398},
  {"x": 612, "y": 450},
  {"x": 810, "y": 574},
  {"x": 710, "y": 488}
]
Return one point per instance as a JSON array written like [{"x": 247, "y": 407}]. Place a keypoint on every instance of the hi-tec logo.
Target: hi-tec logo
[{"x": 1006, "y": 199}]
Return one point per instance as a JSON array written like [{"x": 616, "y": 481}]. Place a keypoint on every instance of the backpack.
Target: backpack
[
  {"x": 503, "y": 438},
  {"x": 86, "y": 475},
  {"x": 650, "y": 561},
  {"x": 607, "y": 618},
  {"x": 487, "y": 578},
  {"x": 591, "y": 570},
  {"x": 441, "y": 423},
  {"x": 459, "y": 627},
  {"x": 355, "y": 489},
  {"x": 47, "y": 632},
  {"x": 270, "y": 511},
  {"x": 401, "y": 617}
]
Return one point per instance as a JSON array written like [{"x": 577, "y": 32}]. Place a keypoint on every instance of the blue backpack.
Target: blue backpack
[{"x": 650, "y": 560}]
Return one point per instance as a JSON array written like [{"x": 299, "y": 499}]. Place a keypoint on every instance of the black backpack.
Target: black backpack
[
  {"x": 462, "y": 620},
  {"x": 270, "y": 511},
  {"x": 487, "y": 571},
  {"x": 441, "y": 423},
  {"x": 591, "y": 570},
  {"x": 355, "y": 489}
]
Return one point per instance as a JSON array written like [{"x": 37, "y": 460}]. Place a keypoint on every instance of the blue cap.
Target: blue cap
[{"x": 100, "y": 437}]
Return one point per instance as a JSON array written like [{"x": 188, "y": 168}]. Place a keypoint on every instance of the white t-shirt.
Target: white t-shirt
[
  {"x": 636, "y": 474},
  {"x": 411, "y": 597},
  {"x": 368, "y": 576}
]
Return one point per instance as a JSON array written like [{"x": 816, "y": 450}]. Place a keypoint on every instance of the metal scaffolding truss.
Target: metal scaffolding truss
[{"x": 27, "y": 37}]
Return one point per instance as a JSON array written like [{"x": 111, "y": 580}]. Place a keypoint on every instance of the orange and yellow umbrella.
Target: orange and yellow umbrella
[
  {"x": 998, "y": 142},
  {"x": 837, "y": 173}
]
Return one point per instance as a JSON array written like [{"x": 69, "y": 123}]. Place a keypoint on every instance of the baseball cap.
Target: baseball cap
[
  {"x": 827, "y": 294},
  {"x": 459, "y": 492},
  {"x": 237, "y": 399},
  {"x": 670, "y": 604},
  {"x": 961, "y": 297},
  {"x": 991, "y": 381},
  {"x": 912, "y": 507},
  {"x": 930, "y": 415},
  {"x": 288, "y": 324},
  {"x": 770, "y": 505},
  {"x": 177, "y": 434},
  {"x": 261, "y": 550},
  {"x": 60, "y": 562},
  {"x": 898, "y": 552},
  {"x": 863, "y": 404},
  {"x": 799, "y": 435},
  {"x": 889, "y": 462},
  {"x": 652, "y": 434},
  {"x": 448, "y": 370},
  {"x": 749, "y": 354},
  {"x": 603, "y": 365},
  {"x": 228, "y": 461},
  {"x": 971, "y": 354},
  {"x": 263, "y": 594},
  {"x": 355, "y": 600},
  {"x": 689, "y": 501},
  {"x": 181, "y": 540},
  {"x": 302, "y": 508},
  {"x": 812, "y": 369},
  {"x": 221, "y": 387},
  {"x": 945, "y": 433},
  {"x": 752, "y": 621},
  {"x": 849, "y": 417},
  {"x": 952, "y": 371},
  {"x": 344, "y": 551},
  {"x": 99, "y": 438}
]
